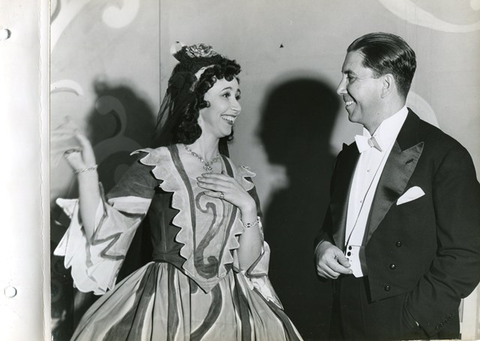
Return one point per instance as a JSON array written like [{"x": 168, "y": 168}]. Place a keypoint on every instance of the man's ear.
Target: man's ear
[{"x": 388, "y": 85}]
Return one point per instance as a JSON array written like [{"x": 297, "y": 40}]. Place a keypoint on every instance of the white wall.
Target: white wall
[
  {"x": 124, "y": 48},
  {"x": 24, "y": 180},
  {"x": 314, "y": 35}
]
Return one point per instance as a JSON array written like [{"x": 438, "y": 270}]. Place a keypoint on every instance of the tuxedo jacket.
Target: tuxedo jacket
[{"x": 427, "y": 248}]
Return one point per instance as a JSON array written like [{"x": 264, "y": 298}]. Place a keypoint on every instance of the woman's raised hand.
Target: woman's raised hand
[
  {"x": 78, "y": 151},
  {"x": 227, "y": 188},
  {"x": 81, "y": 158}
]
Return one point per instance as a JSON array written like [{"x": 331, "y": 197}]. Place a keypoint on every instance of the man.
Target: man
[{"x": 401, "y": 238}]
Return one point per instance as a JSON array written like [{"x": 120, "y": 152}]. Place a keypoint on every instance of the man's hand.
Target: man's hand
[{"x": 330, "y": 260}]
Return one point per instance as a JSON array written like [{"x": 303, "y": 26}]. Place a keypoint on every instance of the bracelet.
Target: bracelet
[
  {"x": 86, "y": 169},
  {"x": 250, "y": 225}
]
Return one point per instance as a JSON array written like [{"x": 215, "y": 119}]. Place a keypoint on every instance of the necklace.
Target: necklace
[{"x": 207, "y": 165}]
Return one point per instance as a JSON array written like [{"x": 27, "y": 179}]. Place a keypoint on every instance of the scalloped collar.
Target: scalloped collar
[{"x": 209, "y": 228}]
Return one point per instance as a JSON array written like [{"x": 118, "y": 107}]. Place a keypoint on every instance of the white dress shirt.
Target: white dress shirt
[{"x": 365, "y": 181}]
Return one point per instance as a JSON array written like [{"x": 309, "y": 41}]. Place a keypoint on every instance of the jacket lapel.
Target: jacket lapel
[{"x": 398, "y": 169}]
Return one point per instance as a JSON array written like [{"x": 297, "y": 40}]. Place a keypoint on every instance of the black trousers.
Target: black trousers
[{"x": 355, "y": 317}]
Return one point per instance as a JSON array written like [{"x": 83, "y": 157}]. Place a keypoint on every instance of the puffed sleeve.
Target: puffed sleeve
[
  {"x": 257, "y": 274},
  {"x": 95, "y": 264}
]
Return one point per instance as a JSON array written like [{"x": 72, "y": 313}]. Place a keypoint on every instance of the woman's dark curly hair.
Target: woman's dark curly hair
[{"x": 185, "y": 95}]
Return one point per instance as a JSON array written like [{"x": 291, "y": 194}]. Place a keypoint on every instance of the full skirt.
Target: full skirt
[{"x": 159, "y": 302}]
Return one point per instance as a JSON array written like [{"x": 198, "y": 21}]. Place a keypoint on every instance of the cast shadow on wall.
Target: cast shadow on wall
[
  {"x": 297, "y": 122},
  {"x": 120, "y": 122}
]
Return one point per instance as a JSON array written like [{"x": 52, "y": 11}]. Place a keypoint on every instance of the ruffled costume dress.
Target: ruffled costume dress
[{"x": 193, "y": 289}]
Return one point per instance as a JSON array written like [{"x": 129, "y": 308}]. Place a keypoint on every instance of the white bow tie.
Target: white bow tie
[{"x": 364, "y": 143}]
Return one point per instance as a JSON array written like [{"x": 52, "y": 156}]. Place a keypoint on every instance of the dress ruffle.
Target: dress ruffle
[
  {"x": 95, "y": 264},
  {"x": 162, "y": 162},
  {"x": 162, "y": 300}
]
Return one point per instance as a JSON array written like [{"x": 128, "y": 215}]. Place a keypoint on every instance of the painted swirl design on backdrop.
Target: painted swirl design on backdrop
[
  {"x": 64, "y": 12},
  {"x": 117, "y": 17},
  {"x": 414, "y": 14}
]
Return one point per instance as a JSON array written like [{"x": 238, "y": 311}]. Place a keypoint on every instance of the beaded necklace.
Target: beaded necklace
[{"x": 207, "y": 165}]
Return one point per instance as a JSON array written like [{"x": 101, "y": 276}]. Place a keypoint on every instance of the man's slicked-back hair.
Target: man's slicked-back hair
[{"x": 386, "y": 53}]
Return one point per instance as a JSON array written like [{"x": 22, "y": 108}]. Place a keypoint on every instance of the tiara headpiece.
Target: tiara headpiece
[{"x": 193, "y": 51}]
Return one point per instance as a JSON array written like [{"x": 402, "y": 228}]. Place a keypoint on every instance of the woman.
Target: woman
[{"x": 208, "y": 275}]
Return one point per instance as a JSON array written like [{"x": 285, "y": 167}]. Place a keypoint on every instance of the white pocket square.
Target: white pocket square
[{"x": 413, "y": 193}]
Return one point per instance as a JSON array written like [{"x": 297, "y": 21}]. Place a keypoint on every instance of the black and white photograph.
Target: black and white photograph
[{"x": 240, "y": 170}]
